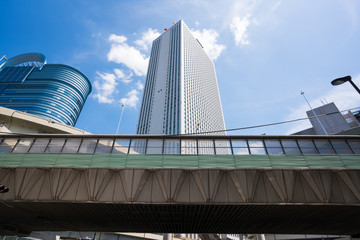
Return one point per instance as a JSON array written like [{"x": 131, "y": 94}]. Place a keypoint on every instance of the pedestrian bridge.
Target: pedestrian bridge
[{"x": 180, "y": 184}]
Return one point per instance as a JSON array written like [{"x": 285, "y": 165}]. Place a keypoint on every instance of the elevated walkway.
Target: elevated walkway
[{"x": 188, "y": 184}]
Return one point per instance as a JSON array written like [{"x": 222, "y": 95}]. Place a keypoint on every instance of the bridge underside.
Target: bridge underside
[
  {"x": 195, "y": 218},
  {"x": 292, "y": 201}
]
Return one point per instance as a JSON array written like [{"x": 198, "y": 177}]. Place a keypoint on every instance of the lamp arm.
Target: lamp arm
[{"x": 353, "y": 84}]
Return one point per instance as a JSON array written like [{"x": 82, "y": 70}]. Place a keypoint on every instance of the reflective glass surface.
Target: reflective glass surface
[
  {"x": 164, "y": 145},
  {"x": 23, "y": 145}
]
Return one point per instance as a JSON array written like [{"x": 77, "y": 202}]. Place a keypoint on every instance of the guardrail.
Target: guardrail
[{"x": 180, "y": 145}]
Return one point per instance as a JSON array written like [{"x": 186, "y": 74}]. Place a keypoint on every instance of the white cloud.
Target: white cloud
[
  {"x": 133, "y": 60},
  {"x": 119, "y": 73},
  {"x": 124, "y": 80},
  {"x": 208, "y": 39},
  {"x": 344, "y": 96},
  {"x": 131, "y": 57},
  {"x": 105, "y": 84},
  {"x": 147, "y": 38},
  {"x": 131, "y": 99},
  {"x": 122, "y": 76},
  {"x": 117, "y": 39},
  {"x": 139, "y": 85},
  {"x": 243, "y": 14},
  {"x": 239, "y": 28}
]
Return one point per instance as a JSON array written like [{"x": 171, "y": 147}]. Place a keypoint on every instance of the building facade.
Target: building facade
[
  {"x": 181, "y": 93},
  {"x": 329, "y": 120},
  {"x": 53, "y": 91}
]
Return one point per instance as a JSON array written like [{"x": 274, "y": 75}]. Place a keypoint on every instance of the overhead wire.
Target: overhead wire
[
  {"x": 240, "y": 128},
  {"x": 269, "y": 124}
]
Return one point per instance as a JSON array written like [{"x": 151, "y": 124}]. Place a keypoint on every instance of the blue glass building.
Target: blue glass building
[{"x": 53, "y": 91}]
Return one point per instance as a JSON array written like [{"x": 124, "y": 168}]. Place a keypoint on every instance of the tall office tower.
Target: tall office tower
[
  {"x": 181, "y": 93},
  {"x": 54, "y": 91}
]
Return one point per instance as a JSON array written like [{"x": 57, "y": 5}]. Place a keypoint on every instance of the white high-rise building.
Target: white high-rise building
[{"x": 181, "y": 93}]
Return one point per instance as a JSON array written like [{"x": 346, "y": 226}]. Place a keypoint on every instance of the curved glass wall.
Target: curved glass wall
[{"x": 53, "y": 91}]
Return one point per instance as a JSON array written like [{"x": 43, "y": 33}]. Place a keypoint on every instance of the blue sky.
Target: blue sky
[{"x": 265, "y": 52}]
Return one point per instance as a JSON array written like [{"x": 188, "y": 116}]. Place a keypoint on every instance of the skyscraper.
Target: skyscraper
[
  {"x": 54, "y": 91},
  {"x": 181, "y": 93}
]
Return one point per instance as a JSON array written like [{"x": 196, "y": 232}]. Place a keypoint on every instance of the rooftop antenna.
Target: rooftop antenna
[
  {"x": 302, "y": 93},
  {"x": 122, "y": 111}
]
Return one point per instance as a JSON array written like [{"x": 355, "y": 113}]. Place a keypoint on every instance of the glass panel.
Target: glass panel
[
  {"x": 339, "y": 144},
  {"x": 155, "y": 143},
  {"x": 307, "y": 147},
  {"x": 39, "y": 145},
  {"x": 322, "y": 144},
  {"x": 223, "y": 151},
  {"x": 138, "y": 146},
  {"x": 154, "y": 151},
  {"x": 55, "y": 146},
  {"x": 341, "y": 147},
  {"x": 257, "y": 147},
  {"x": 289, "y": 143},
  {"x": 222, "y": 143},
  {"x": 15, "y": 74},
  {"x": 171, "y": 146},
  {"x": 275, "y": 151},
  {"x": 238, "y": 143},
  {"x": 324, "y": 147},
  {"x": 7, "y": 145},
  {"x": 206, "y": 151},
  {"x": 23, "y": 146},
  {"x": 306, "y": 143},
  {"x": 272, "y": 143},
  {"x": 206, "y": 143},
  {"x": 71, "y": 145},
  {"x": 290, "y": 151},
  {"x": 241, "y": 151},
  {"x": 326, "y": 150},
  {"x": 188, "y": 146},
  {"x": 258, "y": 151},
  {"x": 343, "y": 151},
  {"x": 309, "y": 151},
  {"x": 256, "y": 143},
  {"x": 88, "y": 146},
  {"x": 206, "y": 147},
  {"x": 356, "y": 150},
  {"x": 222, "y": 147},
  {"x": 121, "y": 146},
  {"x": 104, "y": 146},
  {"x": 154, "y": 146},
  {"x": 354, "y": 144}
]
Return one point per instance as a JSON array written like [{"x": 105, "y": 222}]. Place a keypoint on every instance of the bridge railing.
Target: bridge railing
[
  {"x": 185, "y": 145},
  {"x": 180, "y": 145}
]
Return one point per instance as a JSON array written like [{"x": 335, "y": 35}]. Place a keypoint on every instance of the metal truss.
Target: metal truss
[
  {"x": 183, "y": 186},
  {"x": 300, "y": 201}
]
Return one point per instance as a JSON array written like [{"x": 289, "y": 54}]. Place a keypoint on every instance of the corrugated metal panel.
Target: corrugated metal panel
[{"x": 180, "y": 161}]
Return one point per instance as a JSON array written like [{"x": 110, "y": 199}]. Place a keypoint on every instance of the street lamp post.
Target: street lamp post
[
  {"x": 341, "y": 80},
  {"x": 122, "y": 111}
]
